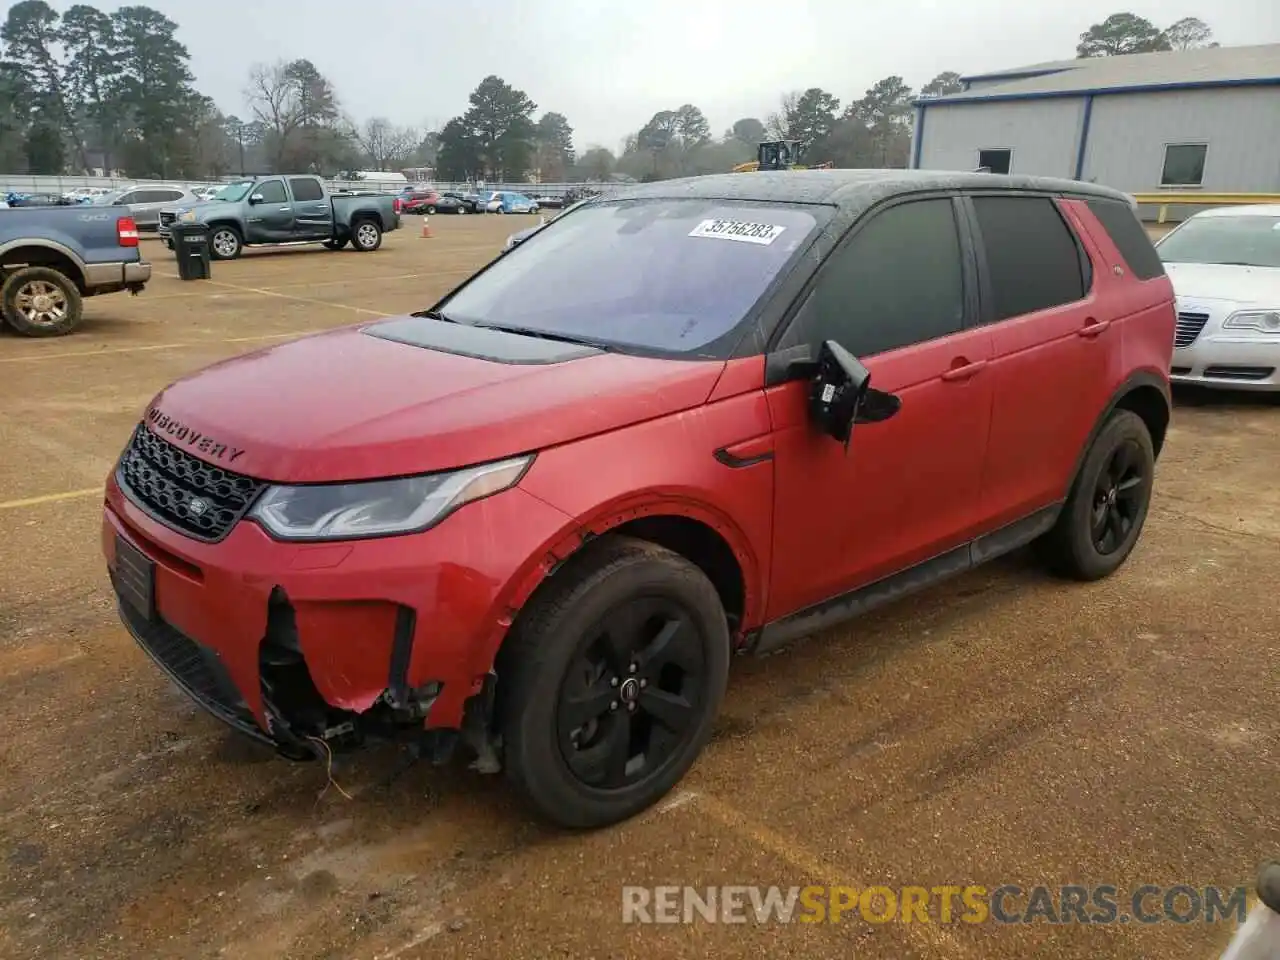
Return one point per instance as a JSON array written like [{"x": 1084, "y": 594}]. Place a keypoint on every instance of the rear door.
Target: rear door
[
  {"x": 312, "y": 211},
  {"x": 1052, "y": 346},
  {"x": 270, "y": 218},
  {"x": 899, "y": 294}
]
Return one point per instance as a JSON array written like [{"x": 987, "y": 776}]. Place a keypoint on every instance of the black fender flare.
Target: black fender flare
[{"x": 1136, "y": 393}]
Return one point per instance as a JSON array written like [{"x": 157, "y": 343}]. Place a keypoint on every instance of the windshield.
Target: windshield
[
  {"x": 670, "y": 276},
  {"x": 233, "y": 192},
  {"x": 1250, "y": 241},
  {"x": 107, "y": 199}
]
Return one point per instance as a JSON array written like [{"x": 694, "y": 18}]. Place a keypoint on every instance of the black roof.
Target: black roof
[{"x": 852, "y": 190}]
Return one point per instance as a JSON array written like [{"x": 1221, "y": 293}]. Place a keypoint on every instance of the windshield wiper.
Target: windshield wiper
[
  {"x": 437, "y": 315},
  {"x": 547, "y": 335}
]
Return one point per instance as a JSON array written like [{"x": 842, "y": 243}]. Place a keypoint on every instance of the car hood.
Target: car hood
[
  {"x": 412, "y": 395},
  {"x": 1247, "y": 286}
]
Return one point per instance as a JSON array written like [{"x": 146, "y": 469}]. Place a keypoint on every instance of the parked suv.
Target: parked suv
[{"x": 538, "y": 518}]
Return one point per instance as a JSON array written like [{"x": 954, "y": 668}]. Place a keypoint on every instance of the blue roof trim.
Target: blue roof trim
[
  {"x": 1019, "y": 75},
  {"x": 1103, "y": 91}
]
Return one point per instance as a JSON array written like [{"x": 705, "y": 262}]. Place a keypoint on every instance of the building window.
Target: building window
[
  {"x": 995, "y": 159},
  {"x": 1183, "y": 164}
]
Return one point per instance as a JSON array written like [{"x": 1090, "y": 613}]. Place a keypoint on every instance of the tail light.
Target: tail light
[
  {"x": 126, "y": 232},
  {"x": 399, "y": 204}
]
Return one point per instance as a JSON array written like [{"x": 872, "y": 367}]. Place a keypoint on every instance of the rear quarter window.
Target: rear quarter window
[{"x": 1129, "y": 236}]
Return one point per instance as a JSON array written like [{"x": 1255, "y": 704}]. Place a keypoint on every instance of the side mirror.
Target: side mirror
[
  {"x": 841, "y": 394},
  {"x": 257, "y": 198}
]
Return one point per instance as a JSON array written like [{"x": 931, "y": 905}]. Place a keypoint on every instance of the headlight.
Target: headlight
[
  {"x": 187, "y": 216},
  {"x": 1263, "y": 321},
  {"x": 347, "y": 511}
]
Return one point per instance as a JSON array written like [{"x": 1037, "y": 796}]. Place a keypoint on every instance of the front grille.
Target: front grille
[
  {"x": 1189, "y": 327},
  {"x": 167, "y": 218},
  {"x": 194, "y": 668},
  {"x": 182, "y": 491},
  {"x": 1239, "y": 372}
]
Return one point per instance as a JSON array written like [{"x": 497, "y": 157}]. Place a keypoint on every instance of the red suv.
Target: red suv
[{"x": 539, "y": 518}]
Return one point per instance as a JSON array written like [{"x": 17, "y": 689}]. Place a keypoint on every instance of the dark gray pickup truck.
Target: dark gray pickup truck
[
  {"x": 51, "y": 258},
  {"x": 273, "y": 210}
]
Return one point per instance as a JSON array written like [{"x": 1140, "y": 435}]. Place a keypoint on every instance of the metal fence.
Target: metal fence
[{"x": 28, "y": 184}]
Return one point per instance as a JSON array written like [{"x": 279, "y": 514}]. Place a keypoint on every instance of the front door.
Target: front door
[
  {"x": 270, "y": 218},
  {"x": 898, "y": 294}
]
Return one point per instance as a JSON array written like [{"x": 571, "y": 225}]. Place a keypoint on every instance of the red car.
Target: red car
[
  {"x": 540, "y": 518},
  {"x": 411, "y": 200}
]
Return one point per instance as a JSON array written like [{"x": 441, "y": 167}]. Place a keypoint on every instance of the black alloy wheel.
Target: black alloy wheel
[
  {"x": 1118, "y": 498},
  {"x": 610, "y": 681},
  {"x": 631, "y": 698}
]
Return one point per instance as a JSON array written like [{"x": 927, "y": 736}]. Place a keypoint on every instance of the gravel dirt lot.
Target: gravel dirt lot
[{"x": 1001, "y": 728}]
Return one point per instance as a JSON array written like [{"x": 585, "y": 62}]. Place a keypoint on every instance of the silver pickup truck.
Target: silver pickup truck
[{"x": 273, "y": 210}]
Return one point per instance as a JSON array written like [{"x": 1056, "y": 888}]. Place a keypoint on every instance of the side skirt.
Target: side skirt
[{"x": 836, "y": 610}]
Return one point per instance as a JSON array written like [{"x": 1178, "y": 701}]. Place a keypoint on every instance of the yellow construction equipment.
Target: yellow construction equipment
[{"x": 778, "y": 155}]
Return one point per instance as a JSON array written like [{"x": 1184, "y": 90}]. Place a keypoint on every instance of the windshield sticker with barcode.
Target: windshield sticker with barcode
[{"x": 740, "y": 230}]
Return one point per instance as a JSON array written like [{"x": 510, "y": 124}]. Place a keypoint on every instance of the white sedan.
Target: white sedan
[{"x": 1225, "y": 268}]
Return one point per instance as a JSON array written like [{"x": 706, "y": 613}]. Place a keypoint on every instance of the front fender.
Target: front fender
[{"x": 668, "y": 467}]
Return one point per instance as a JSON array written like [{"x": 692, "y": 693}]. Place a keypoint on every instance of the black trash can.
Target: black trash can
[{"x": 191, "y": 247}]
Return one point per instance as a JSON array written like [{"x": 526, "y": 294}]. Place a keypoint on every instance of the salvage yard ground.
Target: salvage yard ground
[{"x": 1001, "y": 728}]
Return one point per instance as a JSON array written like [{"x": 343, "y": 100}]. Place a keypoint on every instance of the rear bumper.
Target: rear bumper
[{"x": 109, "y": 277}]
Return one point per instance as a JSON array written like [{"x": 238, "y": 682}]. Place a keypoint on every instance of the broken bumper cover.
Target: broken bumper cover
[{"x": 380, "y": 627}]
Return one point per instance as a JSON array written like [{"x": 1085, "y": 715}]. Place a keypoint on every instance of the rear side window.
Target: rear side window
[
  {"x": 1129, "y": 236},
  {"x": 898, "y": 281},
  {"x": 1032, "y": 259},
  {"x": 304, "y": 188}
]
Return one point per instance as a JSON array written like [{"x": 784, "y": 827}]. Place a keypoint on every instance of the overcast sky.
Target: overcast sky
[{"x": 609, "y": 65}]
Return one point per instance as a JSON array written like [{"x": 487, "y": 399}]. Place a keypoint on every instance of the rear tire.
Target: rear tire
[
  {"x": 431, "y": 211},
  {"x": 608, "y": 688},
  {"x": 41, "y": 302},
  {"x": 366, "y": 236},
  {"x": 1103, "y": 517}
]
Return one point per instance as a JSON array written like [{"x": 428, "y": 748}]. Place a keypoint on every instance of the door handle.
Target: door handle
[
  {"x": 963, "y": 369},
  {"x": 286, "y": 209},
  {"x": 1093, "y": 328}
]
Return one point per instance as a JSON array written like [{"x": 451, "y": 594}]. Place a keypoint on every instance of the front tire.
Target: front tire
[
  {"x": 366, "y": 236},
  {"x": 1103, "y": 517},
  {"x": 225, "y": 243},
  {"x": 609, "y": 686},
  {"x": 41, "y": 302}
]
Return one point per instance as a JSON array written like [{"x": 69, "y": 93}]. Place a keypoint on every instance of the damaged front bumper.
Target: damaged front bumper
[{"x": 313, "y": 648}]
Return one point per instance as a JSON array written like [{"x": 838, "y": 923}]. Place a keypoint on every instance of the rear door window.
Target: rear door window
[
  {"x": 1032, "y": 257},
  {"x": 1129, "y": 236},
  {"x": 897, "y": 282},
  {"x": 305, "y": 188}
]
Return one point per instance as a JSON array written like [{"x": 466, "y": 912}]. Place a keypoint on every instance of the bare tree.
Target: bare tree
[
  {"x": 384, "y": 143},
  {"x": 778, "y": 125},
  {"x": 272, "y": 95}
]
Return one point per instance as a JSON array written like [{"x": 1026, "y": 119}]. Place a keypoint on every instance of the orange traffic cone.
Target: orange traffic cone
[{"x": 426, "y": 229}]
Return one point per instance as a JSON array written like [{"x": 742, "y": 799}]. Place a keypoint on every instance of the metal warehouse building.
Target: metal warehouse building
[{"x": 1196, "y": 120}]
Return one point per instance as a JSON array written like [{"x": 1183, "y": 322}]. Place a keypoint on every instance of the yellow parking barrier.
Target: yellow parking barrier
[{"x": 1168, "y": 198}]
